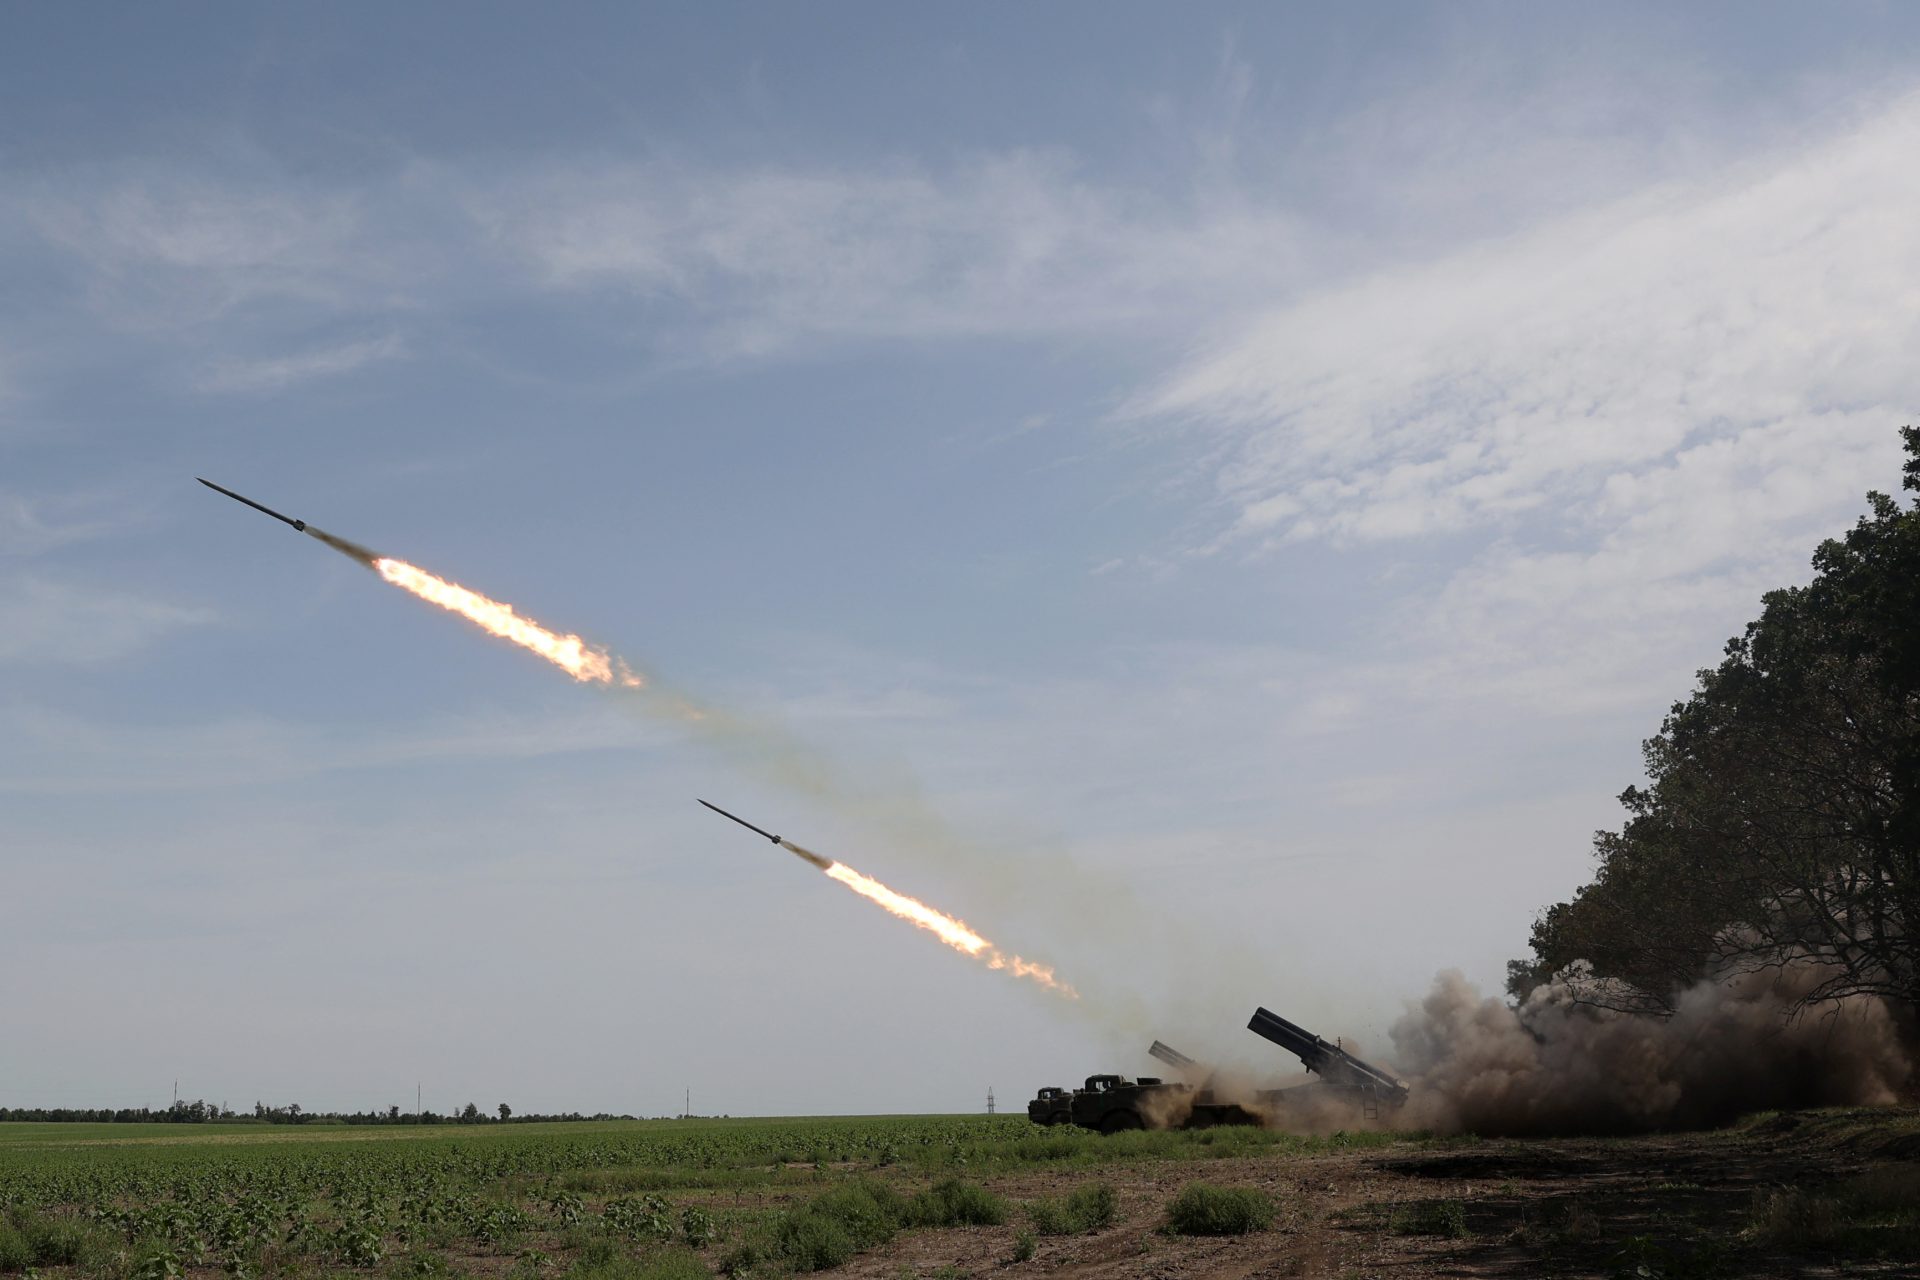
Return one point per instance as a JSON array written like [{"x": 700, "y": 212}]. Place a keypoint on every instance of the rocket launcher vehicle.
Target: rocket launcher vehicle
[{"x": 1336, "y": 1067}]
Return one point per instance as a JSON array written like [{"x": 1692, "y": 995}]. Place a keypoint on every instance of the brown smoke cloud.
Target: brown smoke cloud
[{"x": 1554, "y": 1066}]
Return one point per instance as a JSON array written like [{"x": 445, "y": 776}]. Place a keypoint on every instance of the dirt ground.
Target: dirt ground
[{"x": 1659, "y": 1206}]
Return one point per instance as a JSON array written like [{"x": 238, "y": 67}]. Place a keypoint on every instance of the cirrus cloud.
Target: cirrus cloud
[{"x": 1644, "y": 416}]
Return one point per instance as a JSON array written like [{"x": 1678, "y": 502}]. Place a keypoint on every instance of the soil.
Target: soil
[{"x": 1655, "y": 1206}]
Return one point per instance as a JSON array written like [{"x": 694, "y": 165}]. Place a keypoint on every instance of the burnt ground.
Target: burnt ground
[{"x": 1823, "y": 1194}]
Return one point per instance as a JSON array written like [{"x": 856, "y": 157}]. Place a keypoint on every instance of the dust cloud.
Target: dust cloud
[{"x": 1553, "y": 1065}]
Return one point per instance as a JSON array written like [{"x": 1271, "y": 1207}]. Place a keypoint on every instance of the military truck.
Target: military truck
[
  {"x": 1052, "y": 1105},
  {"x": 1114, "y": 1104}
]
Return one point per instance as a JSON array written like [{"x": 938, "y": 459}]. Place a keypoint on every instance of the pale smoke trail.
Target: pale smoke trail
[
  {"x": 1551, "y": 1066},
  {"x": 352, "y": 550},
  {"x": 590, "y": 663}
]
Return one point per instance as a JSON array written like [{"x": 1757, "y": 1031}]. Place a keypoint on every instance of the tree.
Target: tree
[
  {"x": 1780, "y": 823},
  {"x": 470, "y": 1113},
  {"x": 506, "y": 1113}
]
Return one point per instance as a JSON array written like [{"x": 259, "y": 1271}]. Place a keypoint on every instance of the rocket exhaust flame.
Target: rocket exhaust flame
[
  {"x": 949, "y": 930},
  {"x": 585, "y": 662},
  {"x": 954, "y": 933}
]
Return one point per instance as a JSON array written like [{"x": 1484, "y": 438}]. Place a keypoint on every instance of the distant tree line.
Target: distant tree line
[
  {"x": 1780, "y": 823},
  {"x": 179, "y": 1113},
  {"x": 198, "y": 1112}
]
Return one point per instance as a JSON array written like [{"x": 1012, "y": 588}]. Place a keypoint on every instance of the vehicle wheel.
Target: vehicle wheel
[{"x": 1120, "y": 1122}]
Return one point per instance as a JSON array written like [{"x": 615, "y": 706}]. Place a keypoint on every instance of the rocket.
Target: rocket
[
  {"x": 742, "y": 821},
  {"x": 301, "y": 525},
  {"x": 351, "y": 550},
  {"x": 808, "y": 856}
]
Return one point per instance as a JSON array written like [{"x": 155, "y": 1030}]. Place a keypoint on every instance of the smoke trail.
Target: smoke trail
[
  {"x": 819, "y": 860},
  {"x": 1103, "y": 906},
  {"x": 1555, "y": 1066},
  {"x": 351, "y": 550}
]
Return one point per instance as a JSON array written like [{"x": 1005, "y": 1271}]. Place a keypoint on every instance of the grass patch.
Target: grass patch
[
  {"x": 614, "y": 1182},
  {"x": 861, "y": 1214},
  {"x": 829, "y": 1229},
  {"x": 1885, "y": 1189},
  {"x": 30, "y": 1239},
  {"x": 1446, "y": 1218},
  {"x": 1871, "y": 1132},
  {"x": 667, "y": 1264},
  {"x": 418, "y": 1265},
  {"x": 674, "y": 1264},
  {"x": 1205, "y": 1210},
  {"x": 1555, "y": 1223},
  {"x": 597, "y": 1253},
  {"x": 953, "y": 1203},
  {"x": 1876, "y": 1213},
  {"x": 1087, "y": 1208},
  {"x": 1083, "y": 1149}
]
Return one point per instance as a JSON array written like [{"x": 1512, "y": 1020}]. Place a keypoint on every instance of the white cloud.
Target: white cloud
[
  {"x": 1010, "y": 245},
  {"x": 31, "y": 526},
  {"x": 1651, "y": 411},
  {"x": 58, "y": 623},
  {"x": 278, "y": 373},
  {"x": 59, "y": 753},
  {"x": 714, "y": 263},
  {"x": 163, "y": 250}
]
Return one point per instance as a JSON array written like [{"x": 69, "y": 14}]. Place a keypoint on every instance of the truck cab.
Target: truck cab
[{"x": 1052, "y": 1105}]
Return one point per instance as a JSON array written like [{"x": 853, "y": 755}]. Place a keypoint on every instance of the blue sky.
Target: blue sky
[{"x": 1212, "y": 495}]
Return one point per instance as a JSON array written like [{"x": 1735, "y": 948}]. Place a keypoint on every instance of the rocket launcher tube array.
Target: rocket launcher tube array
[
  {"x": 1170, "y": 1055},
  {"x": 1329, "y": 1061}
]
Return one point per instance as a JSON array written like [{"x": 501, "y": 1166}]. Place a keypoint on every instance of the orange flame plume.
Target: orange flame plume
[
  {"x": 953, "y": 932},
  {"x": 584, "y": 662}
]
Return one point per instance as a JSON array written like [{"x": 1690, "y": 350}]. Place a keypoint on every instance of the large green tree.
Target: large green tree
[{"x": 1780, "y": 823}]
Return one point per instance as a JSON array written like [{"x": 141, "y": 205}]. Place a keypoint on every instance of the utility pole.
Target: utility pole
[
  {"x": 686, "y": 1108},
  {"x": 176, "y": 1093},
  {"x": 416, "y": 1099}
]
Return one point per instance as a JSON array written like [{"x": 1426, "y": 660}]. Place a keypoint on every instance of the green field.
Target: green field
[
  {"x": 944, "y": 1197},
  {"x": 611, "y": 1201}
]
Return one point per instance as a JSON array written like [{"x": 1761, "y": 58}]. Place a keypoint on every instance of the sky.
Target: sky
[{"x": 1212, "y": 495}]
